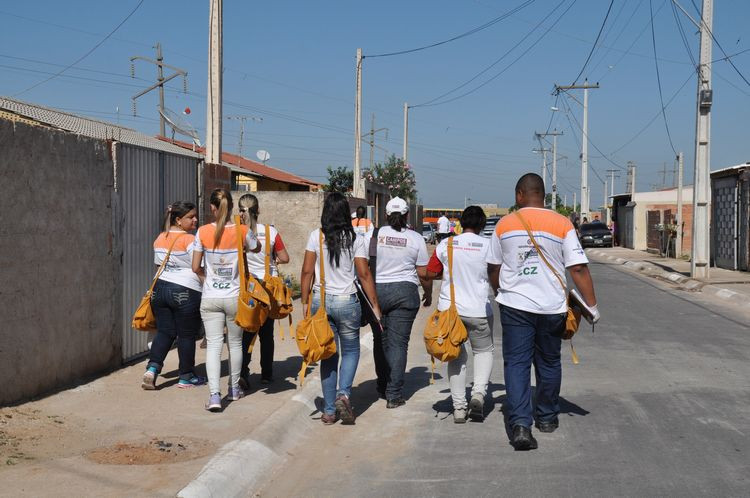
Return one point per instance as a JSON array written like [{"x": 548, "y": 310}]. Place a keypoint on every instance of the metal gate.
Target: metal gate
[
  {"x": 151, "y": 179},
  {"x": 743, "y": 231},
  {"x": 724, "y": 222},
  {"x": 653, "y": 233},
  {"x": 625, "y": 225}
]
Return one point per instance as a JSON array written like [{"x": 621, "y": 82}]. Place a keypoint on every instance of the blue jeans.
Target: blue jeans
[
  {"x": 344, "y": 313},
  {"x": 531, "y": 338},
  {"x": 177, "y": 312},
  {"x": 399, "y": 303}
]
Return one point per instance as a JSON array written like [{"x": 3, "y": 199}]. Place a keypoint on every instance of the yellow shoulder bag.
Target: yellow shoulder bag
[
  {"x": 143, "y": 318},
  {"x": 253, "y": 304}
]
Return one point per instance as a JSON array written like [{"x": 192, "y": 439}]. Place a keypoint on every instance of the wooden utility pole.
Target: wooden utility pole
[{"x": 215, "y": 73}]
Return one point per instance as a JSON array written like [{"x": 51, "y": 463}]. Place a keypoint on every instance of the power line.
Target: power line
[
  {"x": 458, "y": 37},
  {"x": 681, "y": 30},
  {"x": 569, "y": 111},
  {"x": 84, "y": 55},
  {"x": 432, "y": 102},
  {"x": 593, "y": 47},
  {"x": 619, "y": 35},
  {"x": 658, "y": 77}
]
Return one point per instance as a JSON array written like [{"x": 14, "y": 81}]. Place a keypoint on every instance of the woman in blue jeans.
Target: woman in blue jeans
[
  {"x": 176, "y": 299},
  {"x": 344, "y": 259}
]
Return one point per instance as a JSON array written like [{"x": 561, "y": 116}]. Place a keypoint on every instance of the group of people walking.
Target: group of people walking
[{"x": 388, "y": 265}]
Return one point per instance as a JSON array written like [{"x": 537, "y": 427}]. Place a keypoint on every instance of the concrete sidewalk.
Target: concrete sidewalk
[{"x": 730, "y": 286}]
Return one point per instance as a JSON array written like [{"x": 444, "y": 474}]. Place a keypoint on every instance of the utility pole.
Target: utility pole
[
  {"x": 630, "y": 186},
  {"x": 606, "y": 204},
  {"x": 612, "y": 175},
  {"x": 565, "y": 200},
  {"x": 406, "y": 133},
  {"x": 575, "y": 204},
  {"x": 699, "y": 263},
  {"x": 357, "y": 187},
  {"x": 215, "y": 74},
  {"x": 554, "y": 135},
  {"x": 242, "y": 120},
  {"x": 543, "y": 150},
  {"x": 678, "y": 217},
  {"x": 372, "y": 133},
  {"x": 584, "y": 141},
  {"x": 160, "y": 80}
]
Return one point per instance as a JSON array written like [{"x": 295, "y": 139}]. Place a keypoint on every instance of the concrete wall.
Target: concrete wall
[
  {"x": 660, "y": 200},
  {"x": 59, "y": 299}
]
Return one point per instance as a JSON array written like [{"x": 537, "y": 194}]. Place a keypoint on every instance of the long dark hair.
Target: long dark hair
[
  {"x": 397, "y": 221},
  {"x": 337, "y": 226},
  {"x": 176, "y": 210}
]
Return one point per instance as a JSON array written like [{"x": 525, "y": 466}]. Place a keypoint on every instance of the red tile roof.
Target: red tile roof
[{"x": 252, "y": 166}]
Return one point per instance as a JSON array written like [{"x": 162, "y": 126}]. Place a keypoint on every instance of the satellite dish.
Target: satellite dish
[
  {"x": 180, "y": 125},
  {"x": 263, "y": 155}
]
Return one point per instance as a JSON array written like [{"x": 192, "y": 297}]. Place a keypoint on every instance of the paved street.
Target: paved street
[{"x": 658, "y": 406}]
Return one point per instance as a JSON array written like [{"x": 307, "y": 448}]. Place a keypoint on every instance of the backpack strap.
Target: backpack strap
[
  {"x": 163, "y": 263},
  {"x": 322, "y": 273},
  {"x": 268, "y": 252},
  {"x": 373, "y": 252},
  {"x": 241, "y": 253},
  {"x": 450, "y": 270}
]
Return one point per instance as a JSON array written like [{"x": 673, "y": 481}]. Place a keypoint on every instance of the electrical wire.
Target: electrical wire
[
  {"x": 458, "y": 37},
  {"x": 619, "y": 35},
  {"x": 84, "y": 55},
  {"x": 681, "y": 30},
  {"x": 593, "y": 47},
  {"x": 658, "y": 77},
  {"x": 588, "y": 137}
]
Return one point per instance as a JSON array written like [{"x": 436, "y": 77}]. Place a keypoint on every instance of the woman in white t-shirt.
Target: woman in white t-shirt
[
  {"x": 401, "y": 266},
  {"x": 176, "y": 298},
  {"x": 344, "y": 260},
  {"x": 471, "y": 286},
  {"x": 249, "y": 211},
  {"x": 216, "y": 246}
]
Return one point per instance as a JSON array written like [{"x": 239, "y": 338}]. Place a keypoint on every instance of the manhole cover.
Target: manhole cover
[{"x": 154, "y": 451}]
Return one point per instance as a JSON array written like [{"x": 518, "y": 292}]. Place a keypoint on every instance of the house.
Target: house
[{"x": 730, "y": 217}]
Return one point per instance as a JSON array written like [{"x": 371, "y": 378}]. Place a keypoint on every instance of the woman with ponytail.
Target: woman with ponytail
[
  {"x": 176, "y": 298},
  {"x": 216, "y": 248},
  {"x": 344, "y": 259}
]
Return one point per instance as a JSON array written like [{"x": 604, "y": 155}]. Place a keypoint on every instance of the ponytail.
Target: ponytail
[
  {"x": 250, "y": 202},
  {"x": 221, "y": 199},
  {"x": 176, "y": 210}
]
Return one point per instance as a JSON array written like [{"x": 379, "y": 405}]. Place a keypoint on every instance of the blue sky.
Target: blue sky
[{"x": 292, "y": 63}]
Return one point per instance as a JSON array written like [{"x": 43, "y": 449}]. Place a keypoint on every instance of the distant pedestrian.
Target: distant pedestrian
[
  {"x": 401, "y": 265},
  {"x": 443, "y": 227},
  {"x": 176, "y": 298},
  {"x": 361, "y": 223},
  {"x": 533, "y": 305},
  {"x": 249, "y": 211},
  {"x": 344, "y": 258},
  {"x": 216, "y": 246},
  {"x": 470, "y": 251}
]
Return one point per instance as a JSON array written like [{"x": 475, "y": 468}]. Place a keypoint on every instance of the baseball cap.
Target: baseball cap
[
  {"x": 396, "y": 205},
  {"x": 354, "y": 214}
]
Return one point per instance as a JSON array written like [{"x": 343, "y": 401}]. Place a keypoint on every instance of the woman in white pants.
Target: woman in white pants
[
  {"x": 216, "y": 247},
  {"x": 473, "y": 303}
]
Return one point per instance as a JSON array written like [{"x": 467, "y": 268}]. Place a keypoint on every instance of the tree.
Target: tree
[
  {"x": 340, "y": 179},
  {"x": 395, "y": 175}
]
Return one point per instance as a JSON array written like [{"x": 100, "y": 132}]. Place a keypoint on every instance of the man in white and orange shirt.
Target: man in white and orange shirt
[{"x": 533, "y": 305}]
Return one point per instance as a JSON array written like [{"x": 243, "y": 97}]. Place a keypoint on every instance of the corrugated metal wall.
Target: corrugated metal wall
[
  {"x": 151, "y": 180},
  {"x": 724, "y": 222}
]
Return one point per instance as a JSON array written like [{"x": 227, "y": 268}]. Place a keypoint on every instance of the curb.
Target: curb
[
  {"x": 241, "y": 466},
  {"x": 686, "y": 283}
]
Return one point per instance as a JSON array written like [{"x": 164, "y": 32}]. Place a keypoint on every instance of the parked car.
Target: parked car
[
  {"x": 429, "y": 233},
  {"x": 595, "y": 234},
  {"x": 489, "y": 228}
]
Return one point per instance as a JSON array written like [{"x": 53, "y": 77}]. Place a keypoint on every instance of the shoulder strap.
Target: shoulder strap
[
  {"x": 450, "y": 270},
  {"x": 373, "y": 252},
  {"x": 539, "y": 250},
  {"x": 164, "y": 262},
  {"x": 322, "y": 271},
  {"x": 240, "y": 253},
  {"x": 268, "y": 251}
]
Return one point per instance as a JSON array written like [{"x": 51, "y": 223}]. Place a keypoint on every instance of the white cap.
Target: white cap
[
  {"x": 354, "y": 214},
  {"x": 396, "y": 205}
]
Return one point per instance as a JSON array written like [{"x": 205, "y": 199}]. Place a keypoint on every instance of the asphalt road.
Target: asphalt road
[{"x": 658, "y": 406}]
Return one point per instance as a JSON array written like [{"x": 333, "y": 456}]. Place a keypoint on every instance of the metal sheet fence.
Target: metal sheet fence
[{"x": 724, "y": 222}]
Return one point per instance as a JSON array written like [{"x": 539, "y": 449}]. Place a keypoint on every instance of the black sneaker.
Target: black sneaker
[
  {"x": 550, "y": 426},
  {"x": 476, "y": 408},
  {"x": 522, "y": 440},
  {"x": 395, "y": 403}
]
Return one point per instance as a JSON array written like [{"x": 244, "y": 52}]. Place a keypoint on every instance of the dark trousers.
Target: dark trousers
[
  {"x": 177, "y": 312},
  {"x": 266, "y": 350},
  {"x": 531, "y": 338},
  {"x": 442, "y": 236},
  {"x": 399, "y": 303}
]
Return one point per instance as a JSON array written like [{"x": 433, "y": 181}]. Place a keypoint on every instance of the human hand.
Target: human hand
[
  {"x": 426, "y": 299},
  {"x": 595, "y": 314}
]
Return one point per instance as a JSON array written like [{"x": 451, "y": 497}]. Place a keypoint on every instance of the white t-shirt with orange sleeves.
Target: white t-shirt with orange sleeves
[
  {"x": 470, "y": 278},
  {"x": 399, "y": 253},
  {"x": 339, "y": 279},
  {"x": 362, "y": 226},
  {"x": 179, "y": 268},
  {"x": 526, "y": 283},
  {"x": 221, "y": 263},
  {"x": 257, "y": 261}
]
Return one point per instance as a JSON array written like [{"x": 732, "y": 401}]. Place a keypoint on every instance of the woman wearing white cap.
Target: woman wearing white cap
[{"x": 401, "y": 265}]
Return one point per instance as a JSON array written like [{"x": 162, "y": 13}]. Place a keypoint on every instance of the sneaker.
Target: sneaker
[
  {"x": 344, "y": 409},
  {"x": 235, "y": 393},
  {"x": 214, "y": 403},
  {"x": 395, "y": 403},
  {"x": 549, "y": 426},
  {"x": 459, "y": 415},
  {"x": 244, "y": 382},
  {"x": 149, "y": 381},
  {"x": 476, "y": 408},
  {"x": 328, "y": 419},
  {"x": 193, "y": 381},
  {"x": 266, "y": 380},
  {"x": 522, "y": 440}
]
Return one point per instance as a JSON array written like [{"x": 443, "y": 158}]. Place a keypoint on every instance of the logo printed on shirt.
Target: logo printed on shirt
[{"x": 394, "y": 241}]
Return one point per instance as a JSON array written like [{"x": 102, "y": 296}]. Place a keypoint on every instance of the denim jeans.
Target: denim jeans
[
  {"x": 177, "y": 312},
  {"x": 216, "y": 313},
  {"x": 266, "y": 350},
  {"x": 344, "y": 313},
  {"x": 531, "y": 338},
  {"x": 399, "y": 303}
]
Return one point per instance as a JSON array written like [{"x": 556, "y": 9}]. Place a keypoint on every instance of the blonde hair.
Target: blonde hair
[
  {"x": 221, "y": 199},
  {"x": 176, "y": 210},
  {"x": 250, "y": 202}
]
